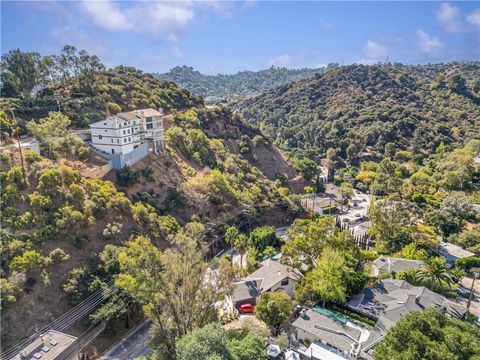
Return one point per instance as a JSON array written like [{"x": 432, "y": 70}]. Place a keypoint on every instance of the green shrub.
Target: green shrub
[{"x": 31, "y": 156}]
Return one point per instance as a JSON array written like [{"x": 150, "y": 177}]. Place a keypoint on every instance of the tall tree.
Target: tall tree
[
  {"x": 171, "y": 286},
  {"x": 20, "y": 73},
  {"x": 434, "y": 272},
  {"x": 326, "y": 280},
  {"x": 430, "y": 335}
]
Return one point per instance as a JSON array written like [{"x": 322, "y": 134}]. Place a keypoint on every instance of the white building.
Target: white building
[{"x": 122, "y": 133}]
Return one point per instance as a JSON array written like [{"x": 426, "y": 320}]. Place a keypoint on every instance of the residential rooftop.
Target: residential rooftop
[
  {"x": 46, "y": 347},
  {"x": 273, "y": 272},
  {"x": 245, "y": 289},
  {"x": 453, "y": 252},
  {"x": 395, "y": 265},
  {"x": 393, "y": 299},
  {"x": 340, "y": 334}
]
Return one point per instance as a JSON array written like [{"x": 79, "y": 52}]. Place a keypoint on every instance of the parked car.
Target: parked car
[{"x": 246, "y": 309}]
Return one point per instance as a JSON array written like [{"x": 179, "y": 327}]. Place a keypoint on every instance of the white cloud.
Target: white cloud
[
  {"x": 449, "y": 18},
  {"x": 474, "y": 17},
  {"x": 325, "y": 25},
  {"x": 280, "y": 61},
  {"x": 373, "y": 52},
  {"x": 159, "y": 20},
  {"x": 105, "y": 14},
  {"x": 428, "y": 44}
]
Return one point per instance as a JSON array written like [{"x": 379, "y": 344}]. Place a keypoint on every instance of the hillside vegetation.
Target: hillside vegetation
[
  {"x": 62, "y": 232},
  {"x": 354, "y": 107},
  {"x": 226, "y": 86},
  {"x": 81, "y": 86}
]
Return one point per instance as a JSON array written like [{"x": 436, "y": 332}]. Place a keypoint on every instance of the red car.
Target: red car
[{"x": 246, "y": 308}]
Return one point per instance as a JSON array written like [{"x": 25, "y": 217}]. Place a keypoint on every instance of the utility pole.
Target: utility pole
[
  {"x": 475, "y": 272},
  {"x": 19, "y": 145}
]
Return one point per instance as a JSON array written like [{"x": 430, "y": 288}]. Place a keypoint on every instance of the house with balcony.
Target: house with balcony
[{"x": 122, "y": 133}]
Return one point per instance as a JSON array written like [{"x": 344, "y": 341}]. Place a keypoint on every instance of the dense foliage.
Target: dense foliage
[
  {"x": 212, "y": 342},
  {"x": 430, "y": 335},
  {"x": 357, "y": 108},
  {"x": 221, "y": 87},
  {"x": 80, "y": 85}
]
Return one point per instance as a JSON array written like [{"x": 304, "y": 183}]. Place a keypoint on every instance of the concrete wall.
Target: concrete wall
[{"x": 119, "y": 161}]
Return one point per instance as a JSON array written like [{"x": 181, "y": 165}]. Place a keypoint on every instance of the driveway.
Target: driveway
[{"x": 356, "y": 216}]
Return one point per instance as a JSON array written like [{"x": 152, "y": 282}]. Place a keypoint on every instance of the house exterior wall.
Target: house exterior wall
[
  {"x": 307, "y": 336},
  {"x": 287, "y": 288},
  {"x": 116, "y": 137}
]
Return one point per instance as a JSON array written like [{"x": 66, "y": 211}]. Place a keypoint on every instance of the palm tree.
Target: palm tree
[
  {"x": 237, "y": 241},
  {"x": 241, "y": 245},
  {"x": 435, "y": 270}
]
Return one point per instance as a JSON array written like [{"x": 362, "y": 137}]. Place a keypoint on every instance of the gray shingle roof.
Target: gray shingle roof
[
  {"x": 328, "y": 329},
  {"x": 272, "y": 272},
  {"x": 244, "y": 290},
  {"x": 452, "y": 252},
  {"x": 392, "y": 299},
  {"x": 395, "y": 265}
]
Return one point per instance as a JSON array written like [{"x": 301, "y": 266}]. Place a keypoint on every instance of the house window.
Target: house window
[
  {"x": 123, "y": 132},
  {"x": 128, "y": 131},
  {"x": 106, "y": 130},
  {"x": 104, "y": 123},
  {"x": 99, "y": 137},
  {"x": 284, "y": 282},
  {"x": 118, "y": 141},
  {"x": 112, "y": 140},
  {"x": 113, "y": 151},
  {"x": 124, "y": 140},
  {"x": 129, "y": 139}
]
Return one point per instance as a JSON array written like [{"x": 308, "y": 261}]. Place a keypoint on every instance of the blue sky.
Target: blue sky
[{"x": 225, "y": 37}]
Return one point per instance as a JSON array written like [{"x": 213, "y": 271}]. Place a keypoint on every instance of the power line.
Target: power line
[{"x": 61, "y": 323}]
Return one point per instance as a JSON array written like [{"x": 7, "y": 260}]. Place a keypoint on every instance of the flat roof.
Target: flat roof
[
  {"x": 46, "y": 347},
  {"x": 319, "y": 351}
]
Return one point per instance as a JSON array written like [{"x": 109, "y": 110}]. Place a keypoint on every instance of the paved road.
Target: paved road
[{"x": 132, "y": 345}]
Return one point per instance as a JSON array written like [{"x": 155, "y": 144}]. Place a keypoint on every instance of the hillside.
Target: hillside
[
  {"x": 62, "y": 231},
  {"x": 354, "y": 107},
  {"x": 223, "y": 87},
  {"x": 114, "y": 90}
]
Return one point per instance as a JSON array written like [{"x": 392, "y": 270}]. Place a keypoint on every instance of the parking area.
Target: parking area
[{"x": 356, "y": 216}]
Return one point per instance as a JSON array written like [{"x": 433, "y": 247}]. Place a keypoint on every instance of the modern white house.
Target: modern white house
[{"x": 124, "y": 132}]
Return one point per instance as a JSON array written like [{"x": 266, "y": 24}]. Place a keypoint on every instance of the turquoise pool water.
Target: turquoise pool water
[{"x": 330, "y": 314}]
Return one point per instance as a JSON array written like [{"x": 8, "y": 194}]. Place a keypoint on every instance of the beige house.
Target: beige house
[{"x": 273, "y": 276}]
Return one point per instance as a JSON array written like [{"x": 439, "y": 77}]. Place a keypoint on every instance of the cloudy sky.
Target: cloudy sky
[{"x": 225, "y": 37}]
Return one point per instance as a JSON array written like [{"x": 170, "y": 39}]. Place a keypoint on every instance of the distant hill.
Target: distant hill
[
  {"x": 415, "y": 107},
  {"x": 221, "y": 87}
]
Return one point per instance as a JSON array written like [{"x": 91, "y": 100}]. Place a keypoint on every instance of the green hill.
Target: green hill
[
  {"x": 357, "y": 106},
  {"x": 222, "y": 86}
]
